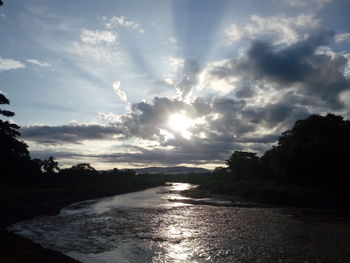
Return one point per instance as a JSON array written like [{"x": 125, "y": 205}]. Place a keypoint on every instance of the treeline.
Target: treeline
[
  {"x": 49, "y": 167},
  {"x": 308, "y": 166},
  {"x": 314, "y": 152}
]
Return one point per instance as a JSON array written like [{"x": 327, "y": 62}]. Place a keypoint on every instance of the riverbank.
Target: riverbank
[
  {"x": 255, "y": 191},
  {"x": 47, "y": 197}
]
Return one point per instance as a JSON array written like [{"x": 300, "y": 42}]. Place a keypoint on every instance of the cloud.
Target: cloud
[
  {"x": 342, "y": 37},
  {"x": 96, "y": 53},
  {"x": 123, "y": 22},
  {"x": 184, "y": 87},
  {"x": 175, "y": 62},
  {"x": 72, "y": 134},
  {"x": 97, "y": 36},
  {"x": 109, "y": 117},
  {"x": 219, "y": 77},
  {"x": 234, "y": 33},
  {"x": 316, "y": 77},
  {"x": 281, "y": 29},
  {"x": 8, "y": 64},
  {"x": 316, "y": 4},
  {"x": 226, "y": 125},
  {"x": 39, "y": 63},
  {"x": 121, "y": 94}
]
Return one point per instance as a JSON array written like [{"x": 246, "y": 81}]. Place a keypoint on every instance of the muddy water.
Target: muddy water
[{"x": 147, "y": 227}]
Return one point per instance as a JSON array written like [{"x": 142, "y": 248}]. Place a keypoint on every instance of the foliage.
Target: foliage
[
  {"x": 79, "y": 169},
  {"x": 48, "y": 166},
  {"x": 314, "y": 152},
  {"x": 220, "y": 170},
  {"x": 14, "y": 155},
  {"x": 117, "y": 172},
  {"x": 243, "y": 164}
]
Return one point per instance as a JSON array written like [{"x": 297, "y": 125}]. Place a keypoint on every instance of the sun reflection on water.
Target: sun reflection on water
[{"x": 181, "y": 186}]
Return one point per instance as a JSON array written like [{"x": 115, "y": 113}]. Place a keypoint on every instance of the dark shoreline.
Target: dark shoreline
[{"x": 25, "y": 201}]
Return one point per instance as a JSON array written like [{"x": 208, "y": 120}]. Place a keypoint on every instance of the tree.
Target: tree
[
  {"x": 243, "y": 164},
  {"x": 314, "y": 152},
  {"x": 80, "y": 169},
  {"x": 83, "y": 166},
  {"x": 220, "y": 170},
  {"x": 14, "y": 155},
  {"x": 49, "y": 166}
]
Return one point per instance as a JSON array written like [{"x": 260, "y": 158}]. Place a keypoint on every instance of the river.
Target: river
[{"x": 159, "y": 225}]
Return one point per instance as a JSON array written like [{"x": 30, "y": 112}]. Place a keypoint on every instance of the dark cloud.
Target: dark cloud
[
  {"x": 68, "y": 133},
  {"x": 287, "y": 65},
  {"x": 184, "y": 86},
  {"x": 274, "y": 113},
  {"x": 319, "y": 76},
  {"x": 188, "y": 79},
  {"x": 245, "y": 91}
]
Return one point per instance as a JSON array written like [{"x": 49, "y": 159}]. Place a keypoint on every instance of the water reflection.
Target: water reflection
[
  {"x": 177, "y": 187},
  {"x": 178, "y": 250},
  {"x": 146, "y": 227}
]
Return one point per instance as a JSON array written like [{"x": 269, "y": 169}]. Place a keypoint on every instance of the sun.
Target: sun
[{"x": 179, "y": 122}]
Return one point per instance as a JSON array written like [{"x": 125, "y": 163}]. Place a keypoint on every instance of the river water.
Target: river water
[{"x": 158, "y": 225}]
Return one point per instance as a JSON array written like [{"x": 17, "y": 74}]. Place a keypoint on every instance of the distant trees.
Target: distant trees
[
  {"x": 80, "y": 169},
  {"x": 117, "y": 172},
  {"x": 85, "y": 169}
]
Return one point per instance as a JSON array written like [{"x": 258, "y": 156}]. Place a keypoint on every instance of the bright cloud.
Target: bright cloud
[
  {"x": 39, "y": 63},
  {"x": 121, "y": 94},
  {"x": 175, "y": 62},
  {"x": 97, "y": 36},
  {"x": 8, "y": 64},
  {"x": 342, "y": 37},
  {"x": 284, "y": 29},
  {"x": 123, "y": 22},
  {"x": 97, "y": 53}
]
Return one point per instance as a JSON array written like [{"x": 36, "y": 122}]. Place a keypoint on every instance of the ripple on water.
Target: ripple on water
[{"x": 145, "y": 227}]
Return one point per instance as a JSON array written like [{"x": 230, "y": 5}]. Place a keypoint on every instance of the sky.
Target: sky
[{"x": 133, "y": 83}]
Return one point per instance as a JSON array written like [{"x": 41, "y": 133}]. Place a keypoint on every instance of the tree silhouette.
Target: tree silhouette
[
  {"x": 83, "y": 166},
  {"x": 315, "y": 152},
  {"x": 48, "y": 166},
  {"x": 80, "y": 169},
  {"x": 14, "y": 155},
  {"x": 243, "y": 164}
]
